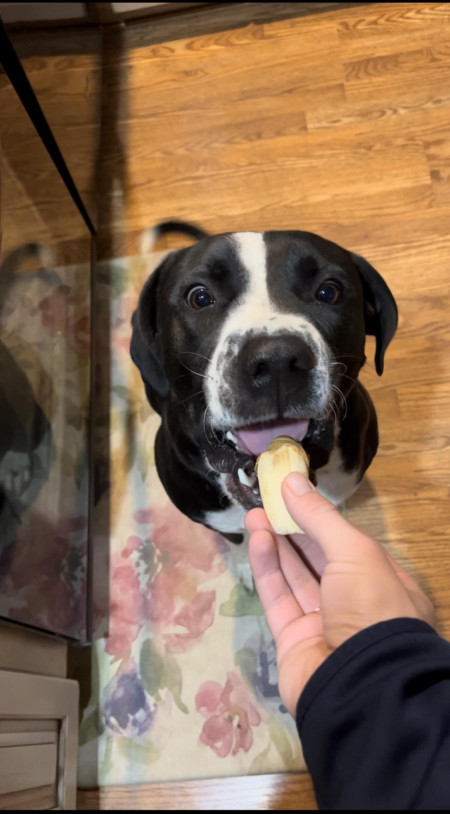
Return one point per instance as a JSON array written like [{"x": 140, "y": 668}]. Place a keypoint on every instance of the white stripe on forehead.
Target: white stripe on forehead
[
  {"x": 255, "y": 309},
  {"x": 255, "y": 303},
  {"x": 252, "y": 253},
  {"x": 255, "y": 312}
]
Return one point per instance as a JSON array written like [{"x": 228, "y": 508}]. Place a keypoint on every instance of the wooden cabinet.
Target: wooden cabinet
[
  {"x": 28, "y": 761},
  {"x": 38, "y": 722}
]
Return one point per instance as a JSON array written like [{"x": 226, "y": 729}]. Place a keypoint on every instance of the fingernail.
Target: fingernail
[{"x": 298, "y": 484}]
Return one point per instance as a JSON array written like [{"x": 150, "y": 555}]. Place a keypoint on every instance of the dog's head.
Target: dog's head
[{"x": 246, "y": 336}]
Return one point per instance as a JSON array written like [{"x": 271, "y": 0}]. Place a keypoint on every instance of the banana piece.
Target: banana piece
[{"x": 282, "y": 456}]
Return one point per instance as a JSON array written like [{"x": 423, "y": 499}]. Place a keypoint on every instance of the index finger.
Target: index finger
[
  {"x": 306, "y": 547},
  {"x": 321, "y": 520},
  {"x": 280, "y": 605}
]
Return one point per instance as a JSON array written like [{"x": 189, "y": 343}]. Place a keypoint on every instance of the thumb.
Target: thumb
[{"x": 322, "y": 521}]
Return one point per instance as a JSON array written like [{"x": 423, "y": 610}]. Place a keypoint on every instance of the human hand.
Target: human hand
[{"x": 360, "y": 584}]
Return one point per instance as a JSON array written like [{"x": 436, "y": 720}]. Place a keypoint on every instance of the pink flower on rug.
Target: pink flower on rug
[
  {"x": 125, "y": 608},
  {"x": 195, "y": 618},
  {"x": 162, "y": 595},
  {"x": 181, "y": 541},
  {"x": 229, "y": 715},
  {"x": 133, "y": 543},
  {"x": 187, "y": 555},
  {"x": 175, "y": 603}
]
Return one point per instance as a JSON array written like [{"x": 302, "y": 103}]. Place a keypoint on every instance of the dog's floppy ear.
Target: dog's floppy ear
[
  {"x": 380, "y": 309},
  {"x": 144, "y": 347}
]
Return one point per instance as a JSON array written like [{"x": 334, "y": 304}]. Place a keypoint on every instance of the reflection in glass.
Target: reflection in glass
[
  {"x": 26, "y": 438},
  {"x": 44, "y": 401},
  {"x": 45, "y": 313}
]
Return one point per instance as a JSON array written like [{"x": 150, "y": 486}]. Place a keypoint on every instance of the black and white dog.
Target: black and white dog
[{"x": 245, "y": 336}]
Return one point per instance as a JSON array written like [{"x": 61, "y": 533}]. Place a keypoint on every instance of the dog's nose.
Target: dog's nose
[{"x": 278, "y": 363}]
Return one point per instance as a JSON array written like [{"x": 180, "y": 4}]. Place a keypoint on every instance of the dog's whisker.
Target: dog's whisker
[
  {"x": 333, "y": 410},
  {"x": 205, "y": 413},
  {"x": 193, "y": 353},
  {"x": 204, "y": 424},
  {"x": 350, "y": 378},
  {"x": 198, "y": 393},
  {"x": 368, "y": 364},
  {"x": 195, "y": 372},
  {"x": 339, "y": 391},
  {"x": 341, "y": 395},
  {"x": 344, "y": 400},
  {"x": 210, "y": 427},
  {"x": 339, "y": 364},
  {"x": 202, "y": 375},
  {"x": 181, "y": 376},
  {"x": 346, "y": 356}
]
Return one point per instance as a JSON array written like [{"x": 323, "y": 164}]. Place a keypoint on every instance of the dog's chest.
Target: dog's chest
[{"x": 333, "y": 482}]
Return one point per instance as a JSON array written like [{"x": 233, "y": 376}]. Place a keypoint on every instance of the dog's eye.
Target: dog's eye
[
  {"x": 199, "y": 297},
  {"x": 329, "y": 292}
]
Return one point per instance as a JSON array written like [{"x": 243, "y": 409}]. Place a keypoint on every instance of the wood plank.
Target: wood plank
[
  {"x": 28, "y": 725},
  {"x": 26, "y": 767},
  {"x": 27, "y": 738},
  {"x": 390, "y": 27},
  {"x": 226, "y": 16},
  {"x": 42, "y": 697},
  {"x": 275, "y": 792},
  {"x": 42, "y": 798},
  {"x": 31, "y": 652}
]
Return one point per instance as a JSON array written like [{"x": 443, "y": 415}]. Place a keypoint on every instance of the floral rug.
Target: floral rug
[{"x": 183, "y": 682}]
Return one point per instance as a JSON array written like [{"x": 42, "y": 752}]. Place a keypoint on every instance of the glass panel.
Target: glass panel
[
  {"x": 44, "y": 385},
  {"x": 64, "y": 70}
]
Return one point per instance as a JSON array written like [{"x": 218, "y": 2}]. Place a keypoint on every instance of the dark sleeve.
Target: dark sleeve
[{"x": 374, "y": 721}]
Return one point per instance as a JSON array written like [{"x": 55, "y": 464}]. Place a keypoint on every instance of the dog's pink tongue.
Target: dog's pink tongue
[{"x": 256, "y": 438}]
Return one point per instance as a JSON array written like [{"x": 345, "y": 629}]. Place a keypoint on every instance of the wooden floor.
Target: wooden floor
[{"x": 336, "y": 123}]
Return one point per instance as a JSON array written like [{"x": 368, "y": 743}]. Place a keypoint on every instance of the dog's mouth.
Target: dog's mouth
[
  {"x": 238, "y": 449},
  {"x": 255, "y": 438}
]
